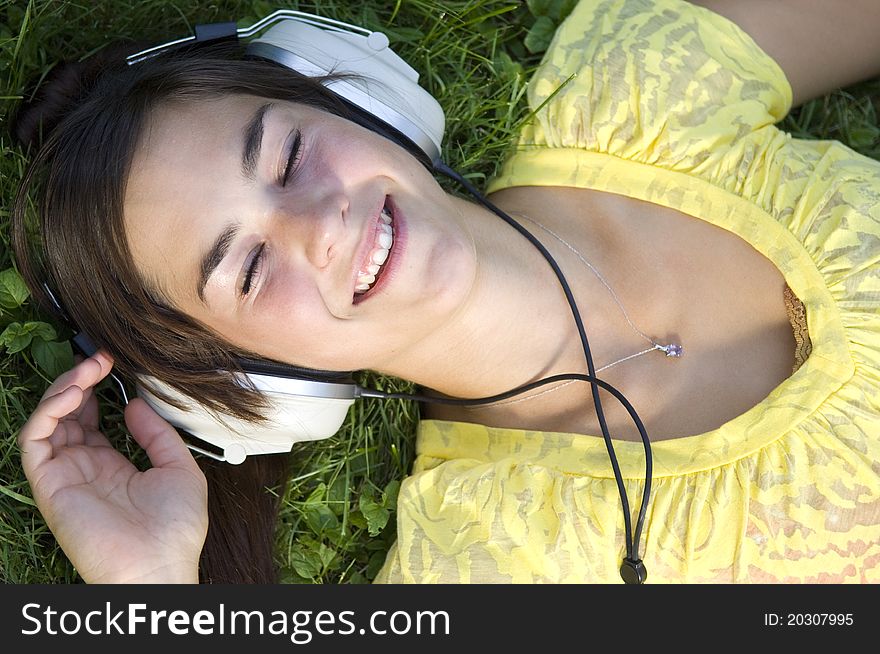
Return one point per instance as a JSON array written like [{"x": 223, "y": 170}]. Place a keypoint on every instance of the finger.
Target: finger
[
  {"x": 105, "y": 360},
  {"x": 34, "y": 439},
  {"x": 94, "y": 438},
  {"x": 101, "y": 356},
  {"x": 64, "y": 435},
  {"x": 85, "y": 374},
  {"x": 89, "y": 415},
  {"x": 72, "y": 434},
  {"x": 159, "y": 439}
]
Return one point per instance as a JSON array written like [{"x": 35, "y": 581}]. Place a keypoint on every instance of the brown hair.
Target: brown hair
[{"x": 86, "y": 121}]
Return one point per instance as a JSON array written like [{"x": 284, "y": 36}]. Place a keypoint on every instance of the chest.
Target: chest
[
  {"x": 649, "y": 271},
  {"x": 719, "y": 298}
]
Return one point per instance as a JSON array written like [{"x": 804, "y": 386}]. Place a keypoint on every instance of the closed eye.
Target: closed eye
[
  {"x": 292, "y": 158},
  {"x": 252, "y": 271}
]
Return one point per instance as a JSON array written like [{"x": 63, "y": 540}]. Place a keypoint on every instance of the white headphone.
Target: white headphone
[{"x": 305, "y": 404}]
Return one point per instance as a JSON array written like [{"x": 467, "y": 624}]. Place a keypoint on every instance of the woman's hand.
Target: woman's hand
[{"x": 115, "y": 523}]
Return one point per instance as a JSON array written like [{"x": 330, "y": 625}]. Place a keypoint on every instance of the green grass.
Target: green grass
[{"x": 337, "y": 517}]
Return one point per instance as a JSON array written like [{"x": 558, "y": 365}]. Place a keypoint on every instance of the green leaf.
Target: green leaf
[
  {"x": 305, "y": 562},
  {"x": 337, "y": 492},
  {"x": 862, "y": 137},
  {"x": 321, "y": 518},
  {"x": 357, "y": 519},
  {"x": 560, "y": 9},
  {"x": 317, "y": 495},
  {"x": 389, "y": 495},
  {"x": 375, "y": 514},
  {"x": 42, "y": 330},
  {"x": 17, "y": 496},
  {"x": 555, "y": 9},
  {"x": 52, "y": 357},
  {"x": 539, "y": 7},
  {"x": 375, "y": 564},
  {"x": 540, "y": 35},
  {"x": 357, "y": 578},
  {"x": 13, "y": 291},
  {"x": 289, "y": 576},
  {"x": 339, "y": 536},
  {"x": 326, "y": 555},
  {"x": 16, "y": 337},
  {"x": 506, "y": 67}
]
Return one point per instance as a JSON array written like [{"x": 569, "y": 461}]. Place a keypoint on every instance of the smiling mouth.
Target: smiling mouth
[{"x": 372, "y": 268}]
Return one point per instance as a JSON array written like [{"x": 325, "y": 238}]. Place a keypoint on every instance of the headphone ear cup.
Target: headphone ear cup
[
  {"x": 380, "y": 83},
  {"x": 299, "y": 409}
]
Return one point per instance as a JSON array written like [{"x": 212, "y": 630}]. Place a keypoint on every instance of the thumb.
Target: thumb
[{"x": 157, "y": 436}]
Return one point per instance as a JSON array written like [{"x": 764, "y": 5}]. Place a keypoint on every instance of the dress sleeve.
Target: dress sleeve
[{"x": 661, "y": 82}]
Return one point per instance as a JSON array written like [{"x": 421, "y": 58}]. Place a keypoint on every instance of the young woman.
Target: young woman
[{"x": 686, "y": 223}]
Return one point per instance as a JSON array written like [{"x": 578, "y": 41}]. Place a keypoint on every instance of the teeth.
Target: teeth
[
  {"x": 381, "y": 248},
  {"x": 379, "y": 256}
]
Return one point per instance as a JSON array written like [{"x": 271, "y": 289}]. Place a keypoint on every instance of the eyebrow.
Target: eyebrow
[
  {"x": 250, "y": 156},
  {"x": 215, "y": 255},
  {"x": 253, "y": 141}
]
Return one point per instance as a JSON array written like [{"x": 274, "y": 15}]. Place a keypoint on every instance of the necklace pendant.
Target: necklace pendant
[{"x": 673, "y": 350}]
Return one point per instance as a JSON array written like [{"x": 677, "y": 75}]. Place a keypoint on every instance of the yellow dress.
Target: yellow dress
[{"x": 667, "y": 102}]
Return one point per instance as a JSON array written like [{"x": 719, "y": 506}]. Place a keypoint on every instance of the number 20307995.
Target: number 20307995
[{"x": 807, "y": 619}]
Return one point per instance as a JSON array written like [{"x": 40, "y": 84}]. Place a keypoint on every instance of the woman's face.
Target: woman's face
[{"x": 263, "y": 220}]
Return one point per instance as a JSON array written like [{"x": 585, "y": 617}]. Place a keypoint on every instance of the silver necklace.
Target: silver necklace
[{"x": 674, "y": 350}]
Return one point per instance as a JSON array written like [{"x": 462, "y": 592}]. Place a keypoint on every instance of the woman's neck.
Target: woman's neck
[{"x": 516, "y": 326}]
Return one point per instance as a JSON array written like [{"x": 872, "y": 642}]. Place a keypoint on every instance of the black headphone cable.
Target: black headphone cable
[{"x": 632, "y": 570}]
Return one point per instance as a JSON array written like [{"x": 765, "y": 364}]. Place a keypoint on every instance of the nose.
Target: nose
[{"x": 313, "y": 225}]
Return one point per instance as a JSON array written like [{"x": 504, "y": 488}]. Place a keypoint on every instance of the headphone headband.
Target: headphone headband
[
  {"x": 381, "y": 85},
  {"x": 213, "y": 31}
]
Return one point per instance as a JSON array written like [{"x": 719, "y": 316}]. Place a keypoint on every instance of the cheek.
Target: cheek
[
  {"x": 351, "y": 155},
  {"x": 287, "y": 302},
  {"x": 339, "y": 156},
  {"x": 290, "y": 321},
  {"x": 451, "y": 267}
]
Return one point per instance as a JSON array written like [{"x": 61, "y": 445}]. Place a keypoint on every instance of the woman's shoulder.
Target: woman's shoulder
[{"x": 658, "y": 81}]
